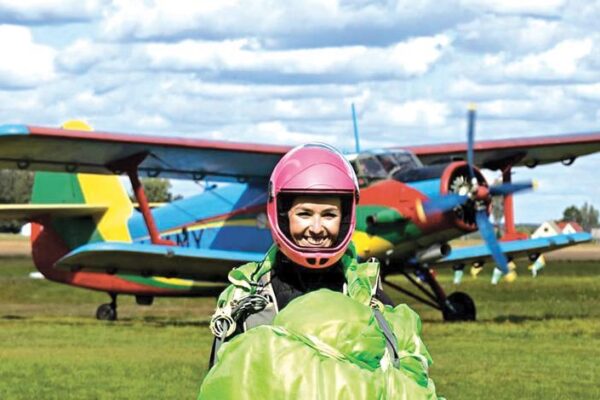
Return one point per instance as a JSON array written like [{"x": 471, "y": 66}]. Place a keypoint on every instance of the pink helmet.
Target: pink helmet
[{"x": 312, "y": 169}]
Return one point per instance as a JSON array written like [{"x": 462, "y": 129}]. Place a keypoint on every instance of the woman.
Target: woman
[{"x": 316, "y": 303}]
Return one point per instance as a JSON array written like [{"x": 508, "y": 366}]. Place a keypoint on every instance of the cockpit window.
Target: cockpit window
[
  {"x": 388, "y": 161},
  {"x": 369, "y": 166}
]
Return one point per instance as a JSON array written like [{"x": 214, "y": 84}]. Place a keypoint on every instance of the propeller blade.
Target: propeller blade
[
  {"x": 443, "y": 203},
  {"x": 487, "y": 232},
  {"x": 510, "y": 188},
  {"x": 471, "y": 140}
]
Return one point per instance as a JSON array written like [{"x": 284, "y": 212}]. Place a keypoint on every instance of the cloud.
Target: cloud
[
  {"x": 277, "y": 24},
  {"x": 48, "y": 11},
  {"x": 412, "y": 57},
  {"x": 535, "y": 7},
  {"x": 25, "y": 63},
  {"x": 564, "y": 61},
  {"x": 413, "y": 113},
  {"x": 515, "y": 34},
  {"x": 83, "y": 54},
  {"x": 561, "y": 61}
]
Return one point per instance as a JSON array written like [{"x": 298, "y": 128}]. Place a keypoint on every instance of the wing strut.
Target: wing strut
[
  {"x": 510, "y": 232},
  {"x": 129, "y": 166}
]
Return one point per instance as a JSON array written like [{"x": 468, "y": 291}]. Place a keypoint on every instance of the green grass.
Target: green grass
[{"x": 535, "y": 339}]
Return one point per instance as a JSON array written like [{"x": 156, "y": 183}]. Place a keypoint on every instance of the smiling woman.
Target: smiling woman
[
  {"x": 315, "y": 221},
  {"x": 310, "y": 321}
]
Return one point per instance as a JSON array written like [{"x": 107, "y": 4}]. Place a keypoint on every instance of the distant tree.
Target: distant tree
[
  {"x": 572, "y": 214},
  {"x": 589, "y": 217},
  {"x": 15, "y": 188},
  {"x": 157, "y": 190}
]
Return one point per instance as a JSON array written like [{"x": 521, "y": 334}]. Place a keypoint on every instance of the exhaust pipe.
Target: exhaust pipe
[{"x": 433, "y": 253}]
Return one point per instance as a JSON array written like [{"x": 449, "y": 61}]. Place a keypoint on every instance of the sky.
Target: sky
[{"x": 286, "y": 72}]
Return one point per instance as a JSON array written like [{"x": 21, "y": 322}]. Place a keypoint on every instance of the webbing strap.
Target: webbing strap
[{"x": 390, "y": 339}]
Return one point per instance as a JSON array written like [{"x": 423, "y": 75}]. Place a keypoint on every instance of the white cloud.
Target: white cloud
[
  {"x": 308, "y": 23},
  {"x": 539, "y": 7},
  {"x": 25, "y": 63},
  {"x": 412, "y": 57},
  {"x": 560, "y": 61},
  {"x": 48, "y": 11},
  {"x": 84, "y": 54},
  {"x": 563, "y": 61},
  {"x": 515, "y": 34},
  {"x": 414, "y": 113},
  {"x": 464, "y": 88}
]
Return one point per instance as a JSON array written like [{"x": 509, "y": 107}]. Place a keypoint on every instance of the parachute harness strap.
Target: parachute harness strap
[
  {"x": 223, "y": 324},
  {"x": 390, "y": 340}
]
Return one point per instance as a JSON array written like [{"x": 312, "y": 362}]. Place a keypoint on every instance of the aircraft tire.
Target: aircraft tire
[
  {"x": 463, "y": 308},
  {"x": 106, "y": 312}
]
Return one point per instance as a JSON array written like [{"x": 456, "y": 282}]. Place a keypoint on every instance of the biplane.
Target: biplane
[{"x": 413, "y": 201}]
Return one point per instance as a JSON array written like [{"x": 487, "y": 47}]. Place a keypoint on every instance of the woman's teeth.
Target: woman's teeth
[{"x": 315, "y": 241}]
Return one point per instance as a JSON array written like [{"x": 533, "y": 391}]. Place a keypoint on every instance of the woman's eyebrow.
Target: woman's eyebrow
[{"x": 301, "y": 208}]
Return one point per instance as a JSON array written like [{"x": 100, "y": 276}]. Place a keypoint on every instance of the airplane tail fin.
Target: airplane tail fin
[{"x": 103, "y": 192}]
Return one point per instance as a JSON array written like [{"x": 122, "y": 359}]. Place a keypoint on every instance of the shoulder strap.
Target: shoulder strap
[{"x": 267, "y": 314}]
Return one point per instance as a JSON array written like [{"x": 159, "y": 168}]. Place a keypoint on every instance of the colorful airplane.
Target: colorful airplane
[{"x": 413, "y": 201}]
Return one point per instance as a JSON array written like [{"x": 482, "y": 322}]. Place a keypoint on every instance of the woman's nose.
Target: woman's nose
[{"x": 315, "y": 225}]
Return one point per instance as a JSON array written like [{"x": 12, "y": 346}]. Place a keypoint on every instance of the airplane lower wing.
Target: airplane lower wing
[
  {"x": 33, "y": 211},
  {"x": 156, "y": 260},
  {"x": 513, "y": 249}
]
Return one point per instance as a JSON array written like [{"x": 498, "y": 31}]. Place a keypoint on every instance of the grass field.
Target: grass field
[{"x": 535, "y": 339}]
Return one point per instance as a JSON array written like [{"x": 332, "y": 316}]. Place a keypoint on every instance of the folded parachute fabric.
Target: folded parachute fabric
[{"x": 324, "y": 345}]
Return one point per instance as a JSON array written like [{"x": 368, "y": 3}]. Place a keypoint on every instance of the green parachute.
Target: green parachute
[{"x": 324, "y": 345}]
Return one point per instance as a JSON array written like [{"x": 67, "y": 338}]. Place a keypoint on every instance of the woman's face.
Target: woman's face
[{"x": 315, "y": 220}]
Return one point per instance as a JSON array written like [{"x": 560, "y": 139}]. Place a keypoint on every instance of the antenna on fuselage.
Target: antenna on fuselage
[{"x": 356, "y": 137}]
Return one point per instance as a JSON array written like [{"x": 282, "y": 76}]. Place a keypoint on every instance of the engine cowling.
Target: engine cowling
[{"x": 455, "y": 180}]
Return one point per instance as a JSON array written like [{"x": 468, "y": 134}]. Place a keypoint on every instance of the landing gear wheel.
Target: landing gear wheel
[
  {"x": 459, "y": 307},
  {"x": 106, "y": 312}
]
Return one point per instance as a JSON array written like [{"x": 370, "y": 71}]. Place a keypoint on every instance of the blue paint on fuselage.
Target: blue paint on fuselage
[
  {"x": 230, "y": 238},
  {"x": 429, "y": 187},
  {"x": 221, "y": 200}
]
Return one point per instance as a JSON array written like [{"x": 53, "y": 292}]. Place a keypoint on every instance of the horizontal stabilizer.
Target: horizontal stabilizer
[
  {"x": 514, "y": 249},
  {"x": 33, "y": 211},
  {"x": 155, "y": 260}
]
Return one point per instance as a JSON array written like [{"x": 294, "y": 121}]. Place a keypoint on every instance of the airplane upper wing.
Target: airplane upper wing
[
  {"x": 52, "y": 149},
  {"x": 158, "y": 260},
  {"x": 497, "y": 154},
  {"x": 513, "y": 249}
]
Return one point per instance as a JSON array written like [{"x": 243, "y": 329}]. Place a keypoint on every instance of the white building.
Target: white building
[{"x": 551, "y": 228}]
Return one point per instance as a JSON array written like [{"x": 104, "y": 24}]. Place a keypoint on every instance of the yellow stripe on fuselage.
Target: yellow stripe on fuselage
[
  {"x": 217, "y": 224},
  {"x": 177, "y": 281},
  {"x": 370, "y": 245}
]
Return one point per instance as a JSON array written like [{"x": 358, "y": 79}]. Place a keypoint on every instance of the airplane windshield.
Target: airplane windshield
[
  {"x": 381, "y": 166},
  {"x": 370, "y": 167}
]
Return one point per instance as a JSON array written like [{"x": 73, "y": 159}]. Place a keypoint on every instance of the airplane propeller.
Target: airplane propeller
[{"x": 480, "y": 195}]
